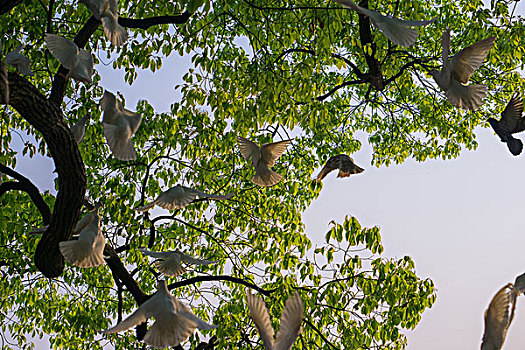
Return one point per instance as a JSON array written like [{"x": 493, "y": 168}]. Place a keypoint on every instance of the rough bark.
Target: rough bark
[
  {"x": 374, "y": 75},
  {"x": 47, "y": 118}
]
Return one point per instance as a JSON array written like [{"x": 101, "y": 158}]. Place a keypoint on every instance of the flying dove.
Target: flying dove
[
  {"x": 179, "y": 197},
  {"x": 396, "y": 30},
  {"x": 79, "y": 128},
  {"x": 174, "y": 322},
  {"x": 290, "y": 325},
  {"x": 511, "y": 122},
  {"x": 170, "y": 262},
  {"x": 344, "y": 163},
  {"x": 120, "y": 125},
  {"x": 106, "y": 11},
  {"x": 19, "y": 61},
  {"x": 457, "y": 71},
  {"x": 262, "y": 158},
  {"x": 88, "y": 250},
  {"x": 78, "y": 61},
  {"x": 498, "y": 317}
]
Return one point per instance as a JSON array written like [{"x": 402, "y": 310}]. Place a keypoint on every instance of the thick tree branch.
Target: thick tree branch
[
  {"x": 24, "y": 184},
  {"x": 47, "y": 118},
  {"x": 197, "y": 279},
  {"x": 145, "y": 23}
]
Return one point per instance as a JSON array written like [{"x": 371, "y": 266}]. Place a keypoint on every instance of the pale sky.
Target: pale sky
[{"x": 458, "y": 219}]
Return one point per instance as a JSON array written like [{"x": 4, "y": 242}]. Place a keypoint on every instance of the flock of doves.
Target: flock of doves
[{"x": 174, "y": 322}]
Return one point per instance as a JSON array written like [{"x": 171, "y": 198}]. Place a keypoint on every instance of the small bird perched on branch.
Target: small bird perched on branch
[
  {"x": 511, "y": 122},
  {"x": 396, "y": 30},
  {"x": 344, "y": 163},
  {"x": 170, "y": 262},
  {"x": 174, "y": 322},
  {"x": 457, "y": 71},
  {"x": 262, "y": 159},
  {"x": 179, "y": 197},
  {"x": 290, "y": 324}
]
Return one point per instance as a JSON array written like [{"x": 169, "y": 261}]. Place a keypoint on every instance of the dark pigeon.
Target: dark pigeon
[
  {"x": 344, "y": 163},
  {"x": 511, "y": 122}
]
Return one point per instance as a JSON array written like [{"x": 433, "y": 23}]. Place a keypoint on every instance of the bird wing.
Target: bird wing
[
  {"x": 349, "y": 4},
  {"x": 347, "y": 167},
  {"x": 465, "y": 62},
  {"x": 214, "y": 196},
  {"x": 247, "y": 147},
  {"x": 270, "y": 152},
  {"x": 201, "y": 324},
  {"x": 172, "y": 266},
  {"x": 64, "y": 50},
  {"x": 85, "y": 61},
  {"x": 119, "y": 141},
  {"x": 260, "y": 317},
  {"x": 113, "y": 6},
  {"x": 176, "y": 197},
  {"x": 498, "y": 317},
  {"x": 511, "y": 116},
  {"x": 398, "y": 31},
  {"x": 139, "y": 316},
  {"x": 195, "y": 261},
  {"x": 330, "y": 165},
  {"x": 290, "y": 325},
  {"x": 134, "y": 120},
  {"x": 169, "y": 331},
  {"x": 95, "y": 6},
  {"x": 156, "y": 255},
  {"x": 82, "y": 223}
]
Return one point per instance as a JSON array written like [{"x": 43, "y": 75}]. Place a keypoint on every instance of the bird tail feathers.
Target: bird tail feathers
[
  {"x": 114, "y": 31},
  {"x": 121, "y": 147},
  {"x": 79, "y": 255},
  {"x": 164, "y": 334},
  {"x": 266, "y": 177},
  {"x": 515, "y": 145}
]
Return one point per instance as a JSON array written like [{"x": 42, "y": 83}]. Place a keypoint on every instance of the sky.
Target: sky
[{"x": 459, "y": 220}]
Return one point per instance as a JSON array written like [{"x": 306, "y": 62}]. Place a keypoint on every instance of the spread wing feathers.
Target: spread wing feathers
[
  {"x": 498, "y": 317},
  {"x": 344, "y": 163},
  {"x": 113, "y": 30},
  {"x": 195, "y": 261},
  {"x": 139, "y": 316},
  {"x": 186, "y": 313},
  {"x": 95, "y": 6},
  {"x": 4, "y": 81},
  {"x": 265, "y": 176},
  {"x": 82, "y": 223},
  {"x": 260, "y": 317},
  {"x": 465, "y": 62},
  {"x": 19, "y": 61},
  {"x": 156, "y": 255},
  {"x": 85, "y": 65},
  {"x": 176, "y": 197},
  {"x": 171, "y": 266},
  {"x": 170, "y": 332},
  {"x": 511, "y": 116},
  {"x": 467, "y": 97},
  {"x": 134, "y": 120},
  {"x": 64, "y": 50},
  {"x": 247, "y": 147},
  {"x": 88, "y": 250},
  {"x": 79, "y": 128},
  {"x": 119, "y": 142},
  {"x": 290, "y": 324},
  {"x": 519, "y": 284},
  {"x": 270, "y": 152},
  {"x": 349, "y": 168}
]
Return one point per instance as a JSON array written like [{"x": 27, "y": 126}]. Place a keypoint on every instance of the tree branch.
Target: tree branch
[
  {"x": 197, "y": 279},
  {"x": 24, "y": 184},
  {"x": 145, "y": 23}
]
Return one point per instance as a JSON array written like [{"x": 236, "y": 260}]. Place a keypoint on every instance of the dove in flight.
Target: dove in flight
[
  {"x": 344, "y": 163},
  {"x": 79, "y": 128},
  {"x": 77, "y": 60},
  {"x": 106, "y": 11},
  {"x": 290, "y": 324},
  {"x": 88, "y": 250},
  {"x": 500, "y": 313},
  {"x": 170, "y": 263},
  {"x": 457, "y": 71},
  {"x": 179, "y": 197},
  {"x": 262, "y": 159},
  {"x": 19, "y": 61},
  {"x": 174, "y": 322},
  {"x": 396, "y": 30},
  {"x": 120, "y": 125},
  {"x": 511, "y": 122}
]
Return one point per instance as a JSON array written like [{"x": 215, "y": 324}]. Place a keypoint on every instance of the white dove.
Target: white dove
[
  {"x": 262, "y": 158},
  {"x": 19, "y": 61},
  {"x": 106, "y": 11},
  {"x": 79, "y": 128},
  {"x": 500, "y": 313},
  {"x": 396, "y": 30},
  {"x": 170, "y": 262},
  {"x": 119, "y": 126},
  {"x": 174, "y": 322},
  {"x": 290, "y": 324},
  {"x": 457, "y": 71},
  {"x": 179, "y": 197},
  {"x": 78, "y": 61},
  {"x": 88, "y": 250}
]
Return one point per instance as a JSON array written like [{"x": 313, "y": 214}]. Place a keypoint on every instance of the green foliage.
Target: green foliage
[{"x": 263, "y": 70}]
